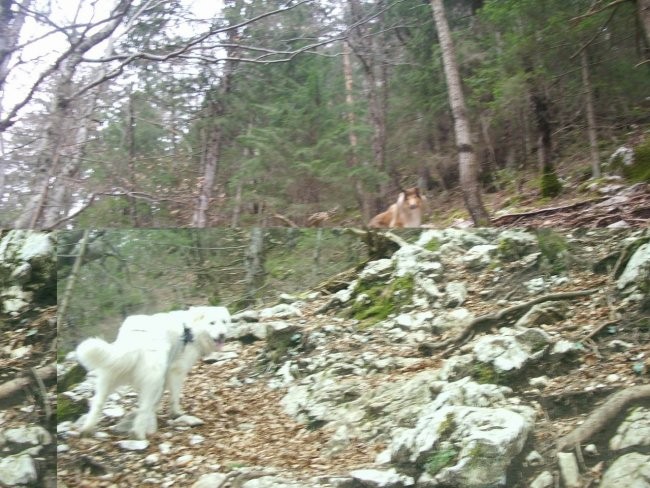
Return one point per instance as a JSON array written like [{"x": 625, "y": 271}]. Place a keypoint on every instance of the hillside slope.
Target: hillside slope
[{"x": 461, "y": 360}]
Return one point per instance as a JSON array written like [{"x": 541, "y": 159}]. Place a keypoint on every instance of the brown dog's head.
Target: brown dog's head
[{"x": 412, "y": 198}]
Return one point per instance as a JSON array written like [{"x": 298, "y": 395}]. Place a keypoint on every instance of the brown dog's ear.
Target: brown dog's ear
[{"x": 417, "y": 191}]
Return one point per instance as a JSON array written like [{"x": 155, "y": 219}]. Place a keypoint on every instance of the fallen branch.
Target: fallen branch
[
  {"x": 284, "y": 219},
  {"x": 503, "y": 219},
  {"x": 603, "y": 415},
  {"x": 12, "y": 387},
  {"x": 500, "y": 315}
]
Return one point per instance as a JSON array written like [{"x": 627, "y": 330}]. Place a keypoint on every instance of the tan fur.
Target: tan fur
[{"x": 406, "y": 212}]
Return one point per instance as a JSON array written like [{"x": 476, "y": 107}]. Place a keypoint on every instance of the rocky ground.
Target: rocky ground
[
  {"x": 462, "y": 360},
  {"x": 27, "y": 359}
]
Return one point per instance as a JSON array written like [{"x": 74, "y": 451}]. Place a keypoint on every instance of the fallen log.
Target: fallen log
[{"x": 12, "y": 387}]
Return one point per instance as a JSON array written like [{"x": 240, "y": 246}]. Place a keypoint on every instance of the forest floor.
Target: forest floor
[
  {"x": 27, "y": 346},
  {"x": 622, "y": 206},
  {"x": 246, "y": 426}
]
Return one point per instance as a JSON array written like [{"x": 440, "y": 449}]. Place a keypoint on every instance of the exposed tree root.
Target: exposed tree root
[
  {"x": 603, "y": 415},
  {"x": 490, "y": 318}
]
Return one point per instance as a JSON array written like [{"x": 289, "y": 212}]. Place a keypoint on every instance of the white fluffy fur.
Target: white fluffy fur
[{"x": 152, "y": 354}]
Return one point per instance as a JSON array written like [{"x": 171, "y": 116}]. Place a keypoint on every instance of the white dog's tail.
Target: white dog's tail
[{"x": 95, "y": 353}]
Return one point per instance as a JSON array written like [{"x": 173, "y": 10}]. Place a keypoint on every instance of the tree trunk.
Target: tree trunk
[
  {"x": 11, "y": 24},
  {"x": 212, "y": 155},
  {"x": 130, "y": 154},
  {"x": 72, "y": 279},
  {"x": 214, "y": 139},
  {"x": 643, "y": 9},
  {"x": 59, "y": 154},
  {"x": 466, "y": 156},
  {"x": 255, "y": 273},
  {"x": 591, "y": 117},
  {"x": 373, "y": 63},
  {"x": 236, "y": 211},
  {"x": 353, "y": 161}
]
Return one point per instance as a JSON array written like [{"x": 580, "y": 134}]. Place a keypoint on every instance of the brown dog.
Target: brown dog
[{"x": 406, "y": 212}]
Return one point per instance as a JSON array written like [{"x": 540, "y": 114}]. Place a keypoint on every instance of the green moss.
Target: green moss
[
  {"x": 639, "y": 170},
  {"x": 478, "y": 454},
  {"x": 485, "y": 374},
  {"x": 73, "y": 377},
  {"x": 554, "y": 249},
  {"x": 67, "y": 409},
  {"x": 550, "y": 185},
  {"x": 278, "y": 344},
  {"x": 447, "y": 426},
  {"x": 439, "y": 459},
  {"x": 433, "y": 245},
  {"x": 383, "y": 299}
]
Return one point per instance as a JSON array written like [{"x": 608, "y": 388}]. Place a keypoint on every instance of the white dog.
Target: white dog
[{"x": 151, "y": 353}]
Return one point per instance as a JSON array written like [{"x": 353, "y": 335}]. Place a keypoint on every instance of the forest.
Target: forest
[
  {"x": 106, "y": 275},
  {"x": 139, "y": 113}
]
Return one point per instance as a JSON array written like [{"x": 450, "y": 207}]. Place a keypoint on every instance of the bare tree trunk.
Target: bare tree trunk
[
  {"x": 591, "y": 117},
  {"x": 236, "y": 212},
  {"x": 373, "y": 63},
  {"x": 214, "y": 140},
  {"x": 466, "y": 156},
  {"x": 72, "y": 280},
  {"x": 255, "y": 273},
  {"x": 211, "y": 163},
  {"x": 129, "y": 142},
  {"x": 59, "y": 155},
  {"x": 643, "y": 9},
  {"x": 11, "y": 23},
  {"x": 353, "y": 161}
]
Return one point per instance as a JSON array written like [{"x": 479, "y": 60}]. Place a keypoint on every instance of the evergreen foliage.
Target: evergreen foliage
[{"x": 132, "y": 150}]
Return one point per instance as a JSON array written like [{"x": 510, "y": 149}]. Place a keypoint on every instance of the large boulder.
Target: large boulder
[{"x": 27, "y": 270}]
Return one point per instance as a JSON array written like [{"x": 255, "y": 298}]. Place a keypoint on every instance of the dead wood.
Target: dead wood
[
  {"x": 508, "y": 218},
  {"x": 491, "y": 318},
  {"x": 284, "y": 219},
  {"x": 45, "y": 373},
  {"x": 603, "y": 415}
]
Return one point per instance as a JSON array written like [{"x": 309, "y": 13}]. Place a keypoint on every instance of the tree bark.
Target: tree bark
[
  {"x": 353, "y": 161},
  {"x": 466, "y": 155},
  {"x": 214, "y": 139},
  {"x": 643, "y": 9},
  {"x": 11, "y": 24},
  {"x": 72, "y": 280},
  {"x": 374, "y": 68},
  {"x": 591, "y": 117},
  {"x": 255, "y": 273},
  {"x": 59, "y": 154}
]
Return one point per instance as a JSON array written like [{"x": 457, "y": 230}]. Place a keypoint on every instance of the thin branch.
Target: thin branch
[{"x": 596, "y": 11}]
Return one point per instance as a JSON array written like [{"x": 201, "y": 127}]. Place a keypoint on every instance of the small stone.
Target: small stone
[
  {"x": 539, "y": 381},
  {"x": 184, "y": 460},
  {"x": 591, "y": 450},
  {"x": 544, "y": 480},
  {"x": 152, "y": 459},
  {"x": 534, "y": 458},
  {"x": 569, "y": 469},
  {"x": 133, "y": 445}
]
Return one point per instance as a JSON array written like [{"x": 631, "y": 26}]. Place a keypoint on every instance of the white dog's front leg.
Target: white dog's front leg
[
  {"x": 175, "y": 380},
  {"x": 102, "y": 390}
]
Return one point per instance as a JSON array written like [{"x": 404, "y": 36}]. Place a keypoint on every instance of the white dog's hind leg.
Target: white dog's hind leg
[{"x": 145, "y": 419}]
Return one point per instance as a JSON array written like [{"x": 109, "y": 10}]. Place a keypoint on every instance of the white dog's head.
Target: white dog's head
[{"x": 210, "y": 324}]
